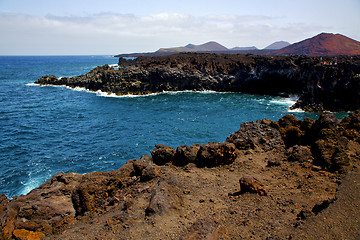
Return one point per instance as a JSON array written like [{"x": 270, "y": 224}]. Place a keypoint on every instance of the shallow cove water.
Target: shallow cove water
[{"x": 45, "y": 130}]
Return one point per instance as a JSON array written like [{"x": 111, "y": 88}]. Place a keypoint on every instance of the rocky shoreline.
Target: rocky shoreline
[
  {"x": 285, "y": 179},
  {"x": 322, "y": 83}
]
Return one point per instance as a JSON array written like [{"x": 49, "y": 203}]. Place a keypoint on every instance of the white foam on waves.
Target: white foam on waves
[
  {"x": 30, "y": 184},
  {"x": 299, "y": 110},
  {"x": 44, "y": 85},
  {"x": 287, "y": 102},
  {"x": 78, "y": 89},
  {"x": 284, "y": 101},
  {"x": 114, "y": 65},
  {"x": 32, "y": 84}
]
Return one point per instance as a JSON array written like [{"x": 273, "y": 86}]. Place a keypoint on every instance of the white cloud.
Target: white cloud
[{"x": 110, "y": 33}]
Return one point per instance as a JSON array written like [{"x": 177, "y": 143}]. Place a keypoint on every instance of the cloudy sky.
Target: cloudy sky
[{"x": 79, "y": 27}]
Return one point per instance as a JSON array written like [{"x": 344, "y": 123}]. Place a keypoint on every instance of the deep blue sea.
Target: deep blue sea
[{"x": 46, "y": 130}]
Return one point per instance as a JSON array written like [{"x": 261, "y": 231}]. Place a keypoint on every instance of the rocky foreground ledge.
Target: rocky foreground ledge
[
  {"x": 323, "y": 83},
  {"x": 288, "y": 179}
]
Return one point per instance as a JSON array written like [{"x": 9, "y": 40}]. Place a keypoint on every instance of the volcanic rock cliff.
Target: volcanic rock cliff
[
  {"x": 323, "y": 83},
  {"x": 288, "y": 179}
]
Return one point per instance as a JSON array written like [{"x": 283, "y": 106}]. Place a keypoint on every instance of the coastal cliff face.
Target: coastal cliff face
[
  {"x": 288, "y": 179},
  {"x": 313, "y": 79}
]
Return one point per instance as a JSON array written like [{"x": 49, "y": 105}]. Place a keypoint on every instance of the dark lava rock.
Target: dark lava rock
[
  {"x": 322, "y": 206},
  {"x": 49, "y": 79},
  {"x": 162, "y": 154},
  {"x": 215, "y": 154},
  {"x": 273, "y": 163},
  {"x": 300, "y": 154},
  {"x": 351, "y": 126},
  {"x": 322, "y": 87},
  {"x": 91, "y": 194},
  {"x": 185, "y": 154},
  {"x": 332, "y": 87},
  {"x": 294, "y": 131},
  {"x": 257, "y": 135},
  {"x": 325, "y": 140},
  {"x": 145, "y": 169},
  {"x": 330, "y": 144},
  {"x": 325, "y": 121}
]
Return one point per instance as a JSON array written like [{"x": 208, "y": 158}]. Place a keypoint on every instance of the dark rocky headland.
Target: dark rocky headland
[
  {"x": 322, "y": 83},
  {"x": 285, "y": 179}
]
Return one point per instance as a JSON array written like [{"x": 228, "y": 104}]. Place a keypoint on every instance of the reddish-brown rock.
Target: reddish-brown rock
[
  {"x": 251, "y": 185},
  {"x": 162, "y": 154},
  {"x": 216, "y": 154}
]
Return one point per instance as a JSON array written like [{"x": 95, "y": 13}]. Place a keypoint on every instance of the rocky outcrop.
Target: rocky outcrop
[
  {"x": 216, "y": 154},
  {"x": 207, "y": 155},
  {"x": 333, "y": 86},
  {"x": 322, "y": 83},
  {"x": 163, "y": 154},
  {"x": 257, "y": 135},
  {"x": 193, "y": 191}
]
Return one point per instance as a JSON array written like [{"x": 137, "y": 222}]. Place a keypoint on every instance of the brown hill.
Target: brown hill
[
  {"x": 323, "y": 44},
  {"x": 206, "y": 47},
  {"x": 277, "y": 45}
]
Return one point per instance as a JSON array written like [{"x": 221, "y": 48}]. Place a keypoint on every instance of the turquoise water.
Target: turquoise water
[{"x": 45, "y": 130}]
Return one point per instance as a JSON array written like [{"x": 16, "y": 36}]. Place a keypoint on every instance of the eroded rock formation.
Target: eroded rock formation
[{"x": 323, "y": 83}]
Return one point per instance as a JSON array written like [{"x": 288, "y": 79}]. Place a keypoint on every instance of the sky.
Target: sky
[{"x": 108, "y": 27}]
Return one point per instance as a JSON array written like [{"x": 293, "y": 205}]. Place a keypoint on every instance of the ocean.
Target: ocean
[{"x": 46, "y": 130}]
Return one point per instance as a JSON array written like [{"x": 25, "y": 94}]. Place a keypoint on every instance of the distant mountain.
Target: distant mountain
[
  {"x": 244, "y": 48},
  {"x": 206, "y": 47},
  {"x": 323, "y": 44},
  {"x": 277, "y": 45}
]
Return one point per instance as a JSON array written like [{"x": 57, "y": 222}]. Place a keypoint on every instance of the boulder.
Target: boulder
[
  {"x": 341, "y": 161},
  {"x": 273, "y": 162},
  {"x": 251, "y": 185},
  {"x": 294, "y": 131},
  {"x": 299, "y": 154},
  {"x": 162, "y": 154},
  {"x": 23, "y": 234},
  {"x": 262, "y": 135},
  {"x": 325, "y": 121},
  {"x": 215, "y": 154},
  {"x": 94, "y": 190},
  {"x": 329, "y": 146},
  {"x": 185, "y": 154},
  {"x": 145, "y": 169}
]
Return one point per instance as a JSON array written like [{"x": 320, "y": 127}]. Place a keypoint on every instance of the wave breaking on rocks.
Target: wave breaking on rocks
[{"x": 322, "y": 83}]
